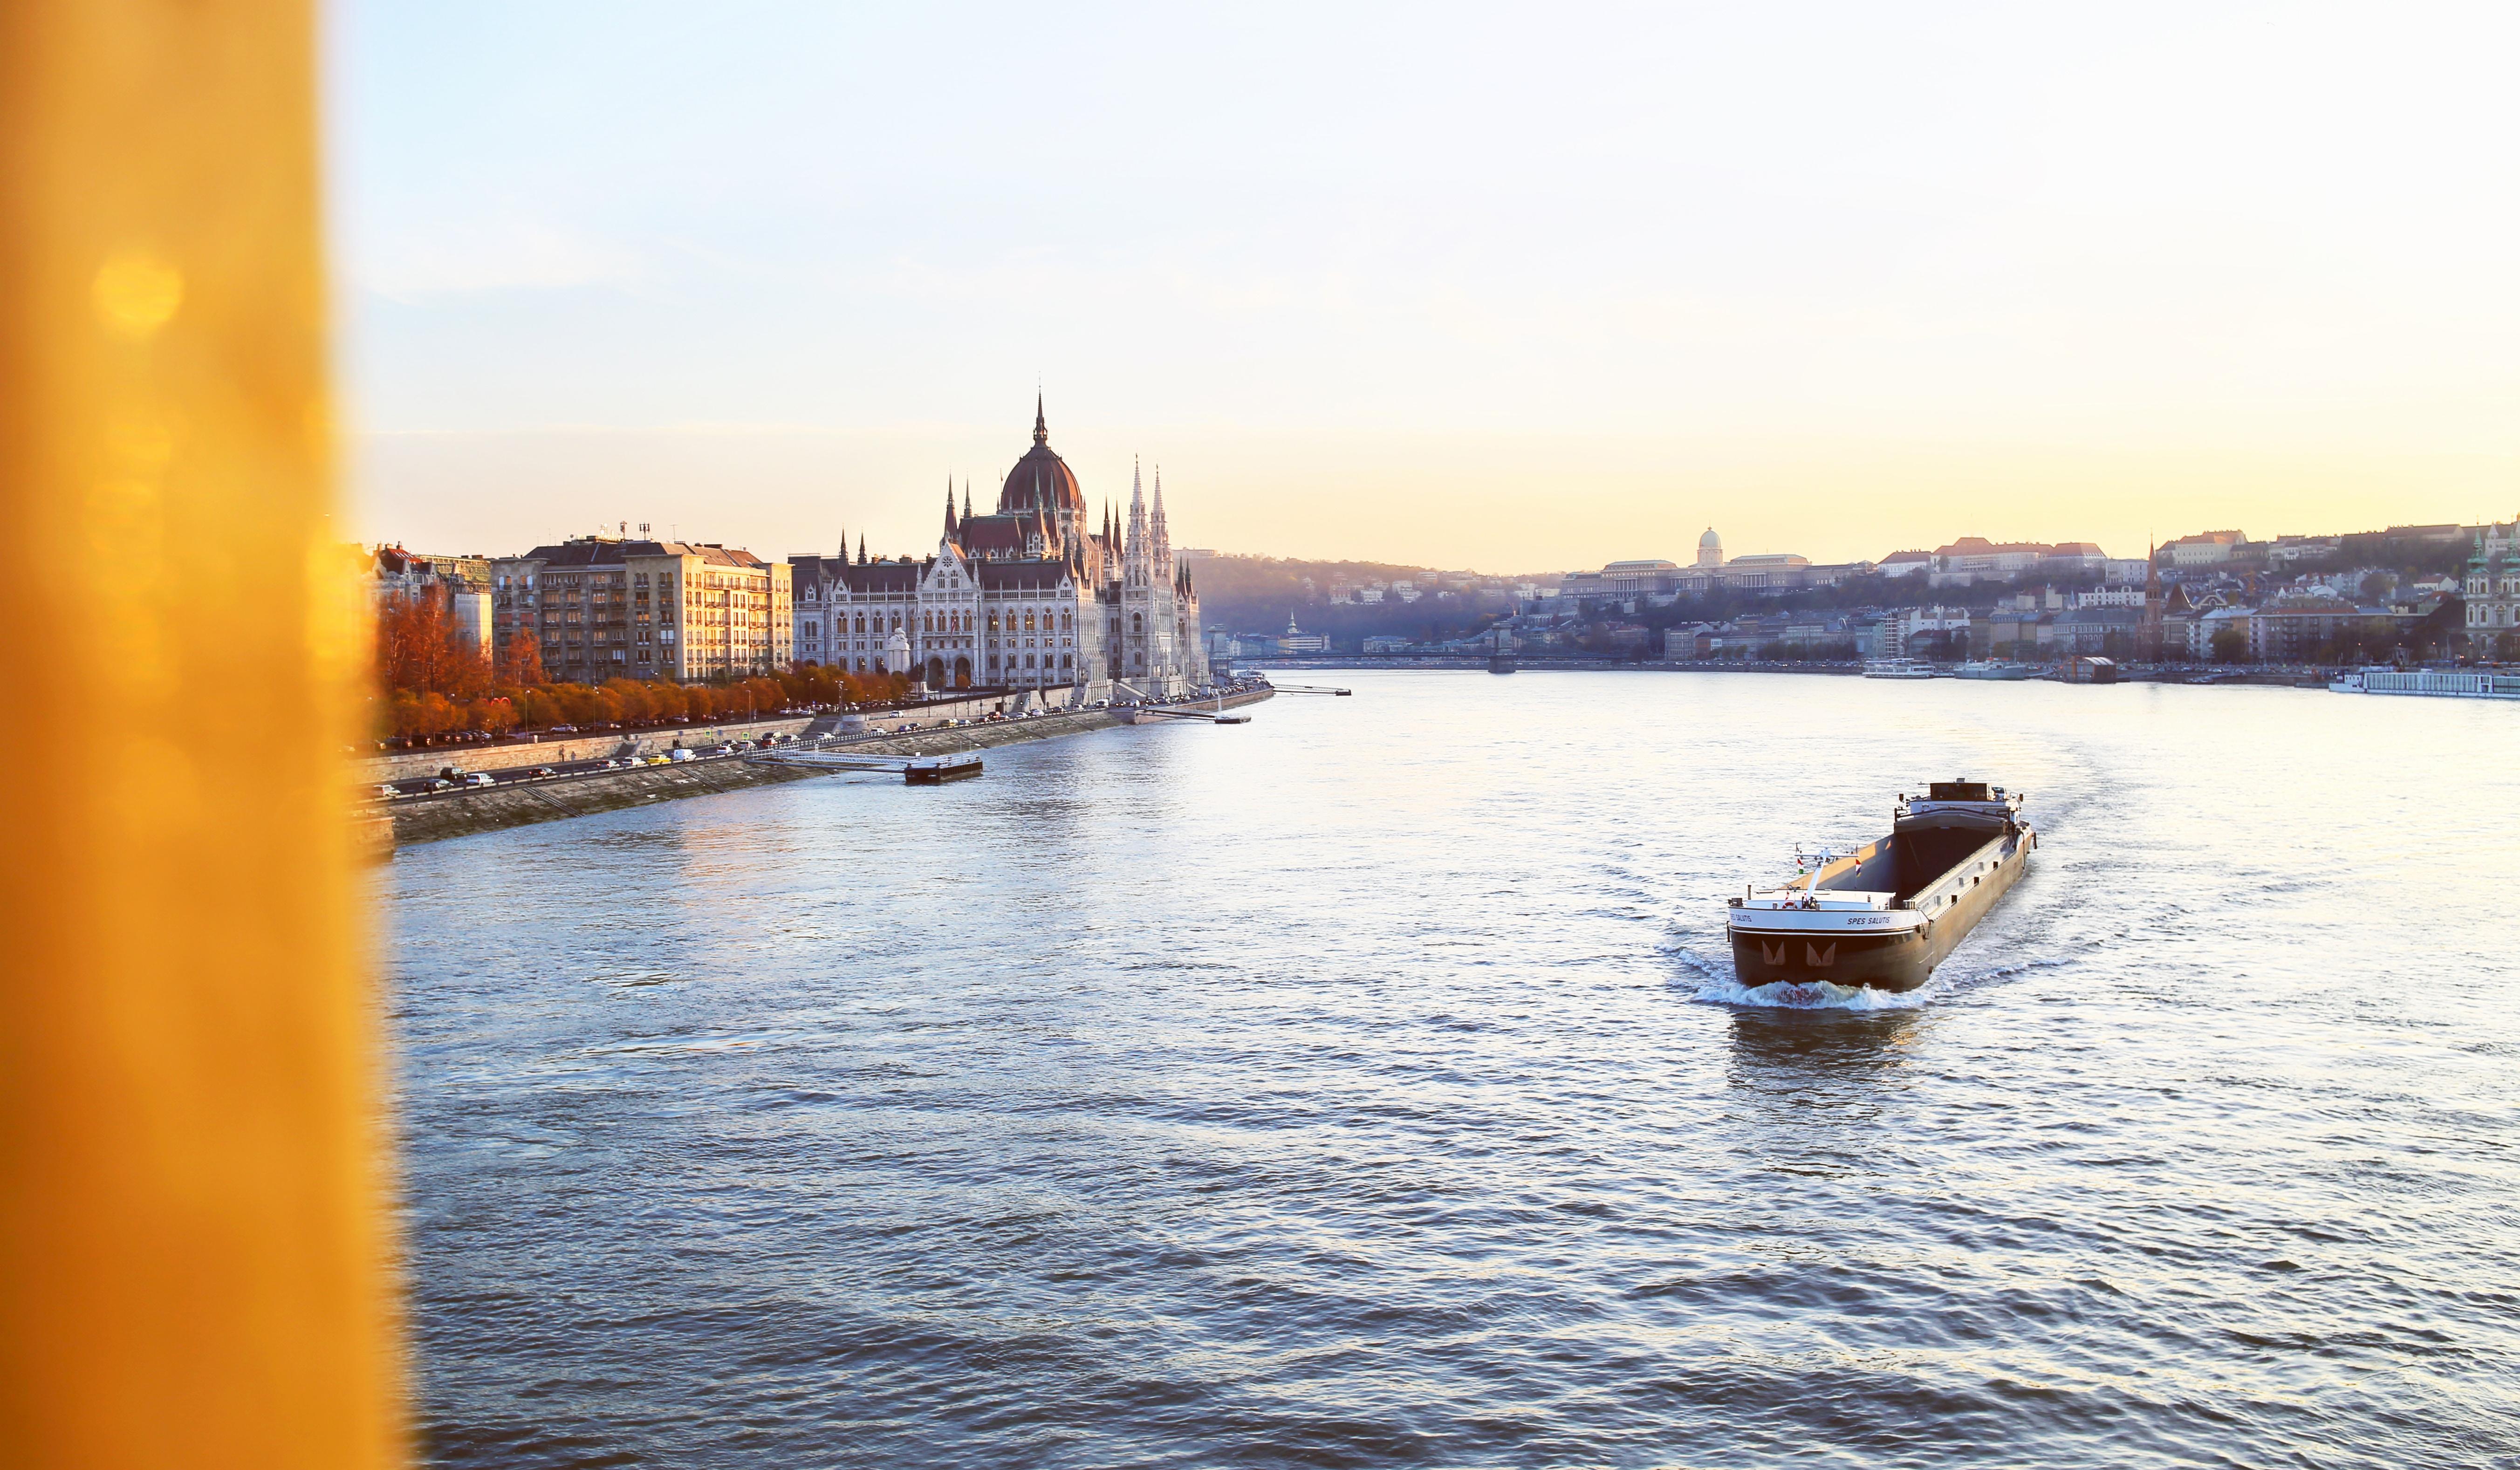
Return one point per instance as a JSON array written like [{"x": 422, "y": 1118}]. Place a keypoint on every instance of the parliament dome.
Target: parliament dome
[{"x": 1041, "y": 479}]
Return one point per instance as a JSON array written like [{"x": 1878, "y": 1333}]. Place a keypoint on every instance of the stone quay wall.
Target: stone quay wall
[{"x": 377, "y": 770}]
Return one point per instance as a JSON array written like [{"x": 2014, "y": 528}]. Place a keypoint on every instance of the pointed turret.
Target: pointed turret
[
  {"x": 966, "y": 495},
  {"x": 1040, "y": 423},
  {"x": 862, "y": 560},
  {"x": 951, "y": 525},
  {"x": 1162, "y": 557},
  {"x": 1136, "y": 545}
]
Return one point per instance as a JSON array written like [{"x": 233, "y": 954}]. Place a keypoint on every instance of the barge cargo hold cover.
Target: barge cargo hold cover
[{"x": 1884, "y": 915}]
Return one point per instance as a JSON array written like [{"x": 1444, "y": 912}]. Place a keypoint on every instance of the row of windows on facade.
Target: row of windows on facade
[
  {"x": 622, "y": 655},
  {"x": 664, "y": 581},
  {"x": 953, "y": 622}
]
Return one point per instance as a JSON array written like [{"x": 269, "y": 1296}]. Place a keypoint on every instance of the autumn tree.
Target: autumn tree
[
  {"x": 421, "y": 648},
  {"x": 521, "y": 662}
]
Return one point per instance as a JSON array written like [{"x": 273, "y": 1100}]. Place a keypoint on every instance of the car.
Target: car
[
  {"x": 480, "y": 779},
  {"x": 388, "y": 793},
  {"x": 438, "y": 784},
  {"x": 542, "y": 770},
  {"x": 562, "y": 729},
  {"x": 678, "y": 753},
  {"x": 657, "y": 760}
]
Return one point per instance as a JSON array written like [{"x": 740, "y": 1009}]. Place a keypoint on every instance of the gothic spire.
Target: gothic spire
[
  {"x": 1138, "y": 546},
  {"x": 950, "y": 525},
  {"x": 862, "y": 560},
  {"x": 967, "y": 496},
  {"x": 1040, "y": 422}
]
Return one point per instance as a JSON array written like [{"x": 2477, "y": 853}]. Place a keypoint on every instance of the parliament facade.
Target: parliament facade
[{"x": 1033, "y": 595}]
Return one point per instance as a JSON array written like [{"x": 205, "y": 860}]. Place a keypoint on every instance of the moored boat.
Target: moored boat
[
  {"x": 1993, "y": 668},
  {"x": 1885, "y": 913},
  {"x": 2438, "y": 683},
  {"x": 936, "y": 770},
  {"x": 1898, "y": 668}
]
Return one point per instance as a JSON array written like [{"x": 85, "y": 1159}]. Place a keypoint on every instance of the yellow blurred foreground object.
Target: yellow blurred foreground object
[{"x": 194, "y": 1261}]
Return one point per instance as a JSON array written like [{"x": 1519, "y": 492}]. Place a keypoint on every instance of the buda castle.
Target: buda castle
[{"x": 1032, "y": 595}]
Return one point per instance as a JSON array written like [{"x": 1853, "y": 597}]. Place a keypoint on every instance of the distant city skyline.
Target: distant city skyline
[{"x": 1496, "y": 290}]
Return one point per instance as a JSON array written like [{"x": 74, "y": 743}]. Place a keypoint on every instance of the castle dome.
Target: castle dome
[
  {"x": 1710, "y": 548},
  {"x": 1041, "y": 481},
  {"x": 1710, "y": 541}
]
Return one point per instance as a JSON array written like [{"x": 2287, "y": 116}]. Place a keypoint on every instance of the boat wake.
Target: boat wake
[{"x": 1817, "y": 995}]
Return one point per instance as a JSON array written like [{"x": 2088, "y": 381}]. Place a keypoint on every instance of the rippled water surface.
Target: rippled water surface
[{"x": 1358, "y": 1087}]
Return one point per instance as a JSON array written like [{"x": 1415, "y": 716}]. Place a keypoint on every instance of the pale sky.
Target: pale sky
[{"x": 1501, "y": 287}]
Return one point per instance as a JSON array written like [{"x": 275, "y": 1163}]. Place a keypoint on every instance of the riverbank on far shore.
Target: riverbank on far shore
[
  {"x": 460, "y": 814},
  {"x": 2287, "y": 677}
]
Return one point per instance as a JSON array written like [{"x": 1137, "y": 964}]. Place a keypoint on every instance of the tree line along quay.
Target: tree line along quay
[{"x": 434, "y": 680}]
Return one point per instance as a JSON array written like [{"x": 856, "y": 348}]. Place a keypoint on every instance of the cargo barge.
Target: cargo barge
[{"x": 1884, "y": 915}]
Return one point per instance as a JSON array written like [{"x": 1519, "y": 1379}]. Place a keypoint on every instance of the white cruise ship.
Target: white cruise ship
[{"x": 2438, "y": 683}]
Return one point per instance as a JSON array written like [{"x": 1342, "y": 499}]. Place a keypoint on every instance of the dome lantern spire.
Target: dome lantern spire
[{"x": 1039, "y": 421}]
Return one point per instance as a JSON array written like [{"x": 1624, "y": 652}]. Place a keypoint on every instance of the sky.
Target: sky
[{"x": 1513, "y": 289}]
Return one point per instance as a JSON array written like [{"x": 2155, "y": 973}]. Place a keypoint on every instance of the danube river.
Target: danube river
[{"x": 1359, "y": 1086}]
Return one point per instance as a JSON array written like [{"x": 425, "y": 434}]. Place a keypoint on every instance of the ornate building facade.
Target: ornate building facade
[
  {"x": 1032, "y": 595},
  {"x": 2493, "y": 589}
]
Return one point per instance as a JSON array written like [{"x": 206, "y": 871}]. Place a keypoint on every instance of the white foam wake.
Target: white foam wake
[{"x": 1818, "y": 995}]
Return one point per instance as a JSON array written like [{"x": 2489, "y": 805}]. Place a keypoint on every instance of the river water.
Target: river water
[{"x": 1364, "y": 1085}]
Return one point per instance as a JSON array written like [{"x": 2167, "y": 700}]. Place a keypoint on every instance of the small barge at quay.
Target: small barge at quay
[{"x": 1884, "y": 915}]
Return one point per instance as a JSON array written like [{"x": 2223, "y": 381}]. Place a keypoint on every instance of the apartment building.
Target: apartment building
[{"x": 600, "y": 607}]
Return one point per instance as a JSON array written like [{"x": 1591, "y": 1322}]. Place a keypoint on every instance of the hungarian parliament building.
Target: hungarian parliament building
[{"x": 1031, "y": 595}]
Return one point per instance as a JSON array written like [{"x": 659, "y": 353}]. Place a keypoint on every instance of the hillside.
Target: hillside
[{"x": 1258, "y": 594}]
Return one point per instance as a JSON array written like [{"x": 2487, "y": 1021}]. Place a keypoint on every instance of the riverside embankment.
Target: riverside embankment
[
  {"x": 457, "y": 814},
  {"x": 656, "y": 739}
]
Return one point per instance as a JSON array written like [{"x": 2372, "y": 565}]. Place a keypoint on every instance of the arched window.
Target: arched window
[
  {"x": 1137, "y": 622},
  {"x": 1068, "y": 622},
  {"x": 993, "y": 621},
  {"x": 861, "y": 622},
  {"x": 1027, "y": 620}
]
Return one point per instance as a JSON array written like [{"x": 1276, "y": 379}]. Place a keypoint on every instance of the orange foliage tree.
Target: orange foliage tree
[{"x": 434, "y": 682}]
